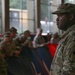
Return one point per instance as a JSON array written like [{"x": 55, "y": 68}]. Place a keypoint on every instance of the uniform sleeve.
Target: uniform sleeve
[{"x": 69, "y": 58}]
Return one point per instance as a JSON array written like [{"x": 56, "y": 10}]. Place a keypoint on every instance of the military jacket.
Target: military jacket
[
  {"x": 3, "y": 64},
  {"x": 64, "y": 59},
  {"x": 8, "y": 48},
  {"x": 24, "y": 41},
  {"x": 18, "y": 42}
]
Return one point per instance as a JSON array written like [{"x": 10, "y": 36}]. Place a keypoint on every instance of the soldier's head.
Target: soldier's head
[
  {"x": 65, "y": 16},
  {"x": 13, "y": 32},
  {"x": 7, "y": 36},
  {"x": 27, "y": 33}
]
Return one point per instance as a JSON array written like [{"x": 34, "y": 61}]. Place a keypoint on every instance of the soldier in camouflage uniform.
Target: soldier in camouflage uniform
[
  {"x": 16, "y": 49},
  {"x": 8, "y": 46},
  {"x": 28, "y": 41},
  {"x": 4, "y": 51},
  {"x": 13, "y": 32},
  {"x": 24, "y": 58},
  {"x": 3, "y": 66},
  {"x": 64, "y": 60},
  {"x": 24, "y": 39}
]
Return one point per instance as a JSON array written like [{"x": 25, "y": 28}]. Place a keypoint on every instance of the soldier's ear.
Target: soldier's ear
[{"x": 71, "y": 16}]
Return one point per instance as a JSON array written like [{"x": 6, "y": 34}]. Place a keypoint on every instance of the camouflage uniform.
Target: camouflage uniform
[
  {"x": 24, "y": 42},
  {"x": 64, "y": 59},
  {"x": 3, "y": 53},
  {"x": 9, "y": 47},
  {"x": 25, "y": 39},
  {"x": 3, "y": 66},
  {"x": 15, "y": 47}
]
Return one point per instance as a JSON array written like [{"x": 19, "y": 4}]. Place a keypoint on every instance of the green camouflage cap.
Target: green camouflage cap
[
  {"x": 66, "y": 8},
  {"x": 13, "y": 29},
  {"x": 7, "y": 34},
  {"x": 27, "y": 32}
]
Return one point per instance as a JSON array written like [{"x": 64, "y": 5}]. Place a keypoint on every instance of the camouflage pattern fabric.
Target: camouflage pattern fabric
[
  {"x": 8, "y": 48},
  {"x": 64, "y": 60},
  {"x": 65, "y": 9},
  {"x": 23, "y": 41},
  {"x": 3, "y": 66}
]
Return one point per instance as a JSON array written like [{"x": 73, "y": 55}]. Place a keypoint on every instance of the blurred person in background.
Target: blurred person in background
[
  {"x": 55, "y": 38},
  {"x": 42, "y": 51}
]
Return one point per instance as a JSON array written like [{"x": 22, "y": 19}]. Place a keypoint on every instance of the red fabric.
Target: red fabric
[{"x": 52, "y": 48}]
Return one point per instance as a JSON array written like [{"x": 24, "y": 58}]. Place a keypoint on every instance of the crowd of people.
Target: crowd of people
[
  {"x": 19, "y": 55},
  {"x": 11, "y": 48},
  {"x": 24, "y": 53}
]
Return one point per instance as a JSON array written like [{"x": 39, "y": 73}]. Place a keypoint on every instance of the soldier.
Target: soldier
[
  {"x": 24, "y": 59},
  {"x": 15, "y": 48},
  {"x": 13, "y": 32},
  {"x": 64, "y": 59},
  {"x": 26, "y": 39},
  {"x": 4, "y": 46},
  {"x": 8, "y": 47},
  {"x": 3, "y": 66}
]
